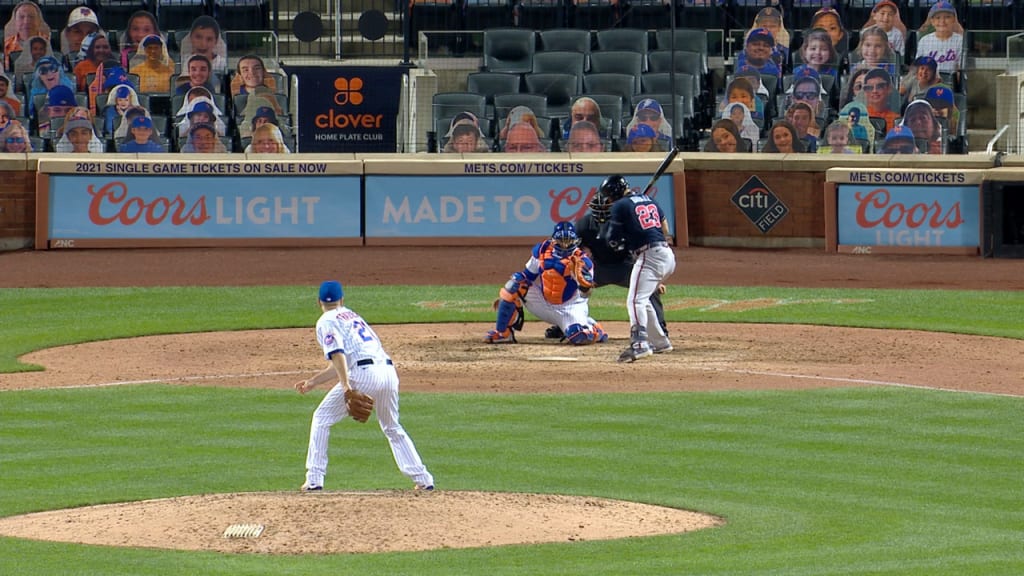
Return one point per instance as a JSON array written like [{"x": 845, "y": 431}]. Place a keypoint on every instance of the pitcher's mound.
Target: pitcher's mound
[{"x": 354, "y": 522}]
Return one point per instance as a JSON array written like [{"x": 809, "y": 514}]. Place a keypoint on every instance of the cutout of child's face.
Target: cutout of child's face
[
  {"x": 830, "y": 23},
  {"x": 920, "y": 122},
  {"x": 142, "y": 133},
  {"x": 642, "y": 144},
  {"x": 462, "y": 143},
  {"x": 265, "y": 143},
  {"x": 817, "y": 53},
  {"x": 737, "y": 115},
  {"x": 252, "y": 72},
  {"x": 16, "y": 140},
  {"x": 801, "y": 120},
  {"x": 198, "y": 72},
  {"x": 140, "y": 27},
  {"x": 885, "y": 17},
  {"x": 79, "y": 138},
  {"x": 4, "y": 87},
  {"x": 943, "y": 23},
  {"x": 204, "y": 141},
  {"x": 204, "y": 40},
  {"x": 197, "y": 117},
  {"x": 101, "y": 49},
  {"x": 873, "y": 48},
  {"x": 782, "y": 138},
  {"x": 37, "y": 49},
  {"x": 724, "y": 140},
  {"x": 838, "y": 140},
  {"x": 925, "y": 76},
  {"x": 122, "y": 104},
  {"x": 741, "y": 96},
  {"x": 264, "y": 120},
  {"x": 26, "y": 21}
]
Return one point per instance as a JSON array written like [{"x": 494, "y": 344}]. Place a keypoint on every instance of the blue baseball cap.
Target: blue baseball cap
[
  {"x": 939, "y": 97},
  {"x": 941, "y": 6},
  {"x": 201, "y": 107},
  {"x": 806, "y": 72},
  {"x": 927, "y": 61},
  {"x": 47, "y": 61},
  {"x": 123, "y": 92},
  {"x": 761, "y": 34},
  {"x": 142, "y": 122},
  {"x": 152, "y": 39},
  {"x": 899, "y": 132},
  {"x": 641, "y": 131},
  {"x": 331, "y": 291},
  {"x": 61, "y": 95}
]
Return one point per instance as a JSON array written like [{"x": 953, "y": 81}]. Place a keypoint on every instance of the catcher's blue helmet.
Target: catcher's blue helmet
[{"x": 565, "y": 237}]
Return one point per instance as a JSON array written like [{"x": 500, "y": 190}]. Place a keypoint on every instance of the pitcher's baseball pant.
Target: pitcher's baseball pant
[{"x": 380, "y": 381}]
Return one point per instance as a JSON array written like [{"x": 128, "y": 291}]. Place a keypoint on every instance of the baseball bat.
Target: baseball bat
[{"x": 661, "y": 169}]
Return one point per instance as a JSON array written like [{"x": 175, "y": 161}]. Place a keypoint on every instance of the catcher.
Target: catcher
[
  {"x": 555, "y": 286},
  {"x": 365, "y": 377}
]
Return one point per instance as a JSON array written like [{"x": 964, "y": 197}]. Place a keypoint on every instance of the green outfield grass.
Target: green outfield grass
[{"x": 879, "y": 481}]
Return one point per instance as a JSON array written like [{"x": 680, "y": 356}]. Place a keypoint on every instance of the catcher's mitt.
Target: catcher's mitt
[
  {"x": 359, "y": 405},
  {"x": 580, "y": 273}
]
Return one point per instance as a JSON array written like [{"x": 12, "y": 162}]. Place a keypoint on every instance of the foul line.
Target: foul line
[
  {"x": 858, "y": 381},
  {"x": 704, "y": 369},
  {"x": 167, "y": 380}
]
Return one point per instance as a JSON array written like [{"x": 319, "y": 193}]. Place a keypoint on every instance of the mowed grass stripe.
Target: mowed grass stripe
[{"x": 813, "y": 482}]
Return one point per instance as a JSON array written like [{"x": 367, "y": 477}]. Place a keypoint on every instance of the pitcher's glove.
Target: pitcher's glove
[
  {"x": 577, "y": 268},
  {"x": 359, "y": 405}
]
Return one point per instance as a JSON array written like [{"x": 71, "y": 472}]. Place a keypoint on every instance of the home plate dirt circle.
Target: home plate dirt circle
[{"x": 354, "y": 522}]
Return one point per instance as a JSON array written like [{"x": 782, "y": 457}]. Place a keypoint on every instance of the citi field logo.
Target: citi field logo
[
  {"x": 348, "y": 94},
  {"x": 761, "y": 206}
]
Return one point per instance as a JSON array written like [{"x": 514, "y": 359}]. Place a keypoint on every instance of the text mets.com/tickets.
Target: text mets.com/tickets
[
  {"x": 523, "y": 168},
  {"x": 908, "y": 177}
]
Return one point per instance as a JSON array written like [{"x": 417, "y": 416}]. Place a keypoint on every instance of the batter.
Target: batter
[{"x": 637, "y": 224}]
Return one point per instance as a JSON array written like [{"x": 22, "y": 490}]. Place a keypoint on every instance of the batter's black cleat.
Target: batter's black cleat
[{"x": 554, "y": 333}]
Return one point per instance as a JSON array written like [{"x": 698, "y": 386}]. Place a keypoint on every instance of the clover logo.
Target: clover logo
[{"x": 349, "y": 91}]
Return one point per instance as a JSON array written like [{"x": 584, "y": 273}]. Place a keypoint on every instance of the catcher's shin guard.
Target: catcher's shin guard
[{"x": 510, "y": 318}]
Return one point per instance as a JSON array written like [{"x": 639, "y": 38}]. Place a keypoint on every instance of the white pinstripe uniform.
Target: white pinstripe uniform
[
  {"x": 342, "y": 331},
  {"x": 576, "y": 310}
]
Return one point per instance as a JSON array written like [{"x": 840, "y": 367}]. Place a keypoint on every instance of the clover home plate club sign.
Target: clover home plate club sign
[{"x": 760, "y": 204}]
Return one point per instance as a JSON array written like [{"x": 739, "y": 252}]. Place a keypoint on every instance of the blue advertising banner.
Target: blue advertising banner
[
  {"x": 455, "y": 206},
  {"x": 919, "y": 216},
  {"x": 348, "y": 108},
  {"x": 140, "y": 207}
]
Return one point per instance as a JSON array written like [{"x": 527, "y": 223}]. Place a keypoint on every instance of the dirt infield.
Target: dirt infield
[{"x": 451, "y": 358}]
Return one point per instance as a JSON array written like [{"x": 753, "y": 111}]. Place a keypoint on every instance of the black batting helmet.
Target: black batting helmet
[{"x": 614, "y": 187}]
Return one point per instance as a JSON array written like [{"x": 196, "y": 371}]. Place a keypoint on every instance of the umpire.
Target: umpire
[{"x": 610, "y": 266}]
